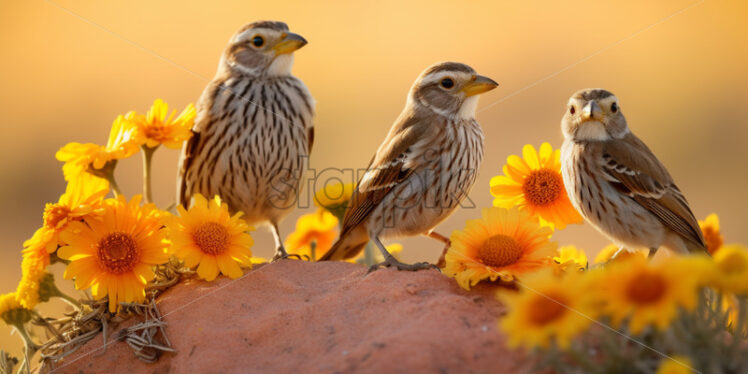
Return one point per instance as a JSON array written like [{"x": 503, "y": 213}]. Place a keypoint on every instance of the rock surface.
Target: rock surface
[{"x": 295, "y": 316}]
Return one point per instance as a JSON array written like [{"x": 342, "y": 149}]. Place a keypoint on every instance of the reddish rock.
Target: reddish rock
[{"x": 294, "y": 316}]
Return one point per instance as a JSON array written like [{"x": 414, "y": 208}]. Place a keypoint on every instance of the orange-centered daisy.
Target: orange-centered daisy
[
  {"x": 648, "y": 294},
  {"x": 502, "y": 244},
  {"x": 547, "y": 309},
  {"x": 114, "y": 254},
  {"x": 158, "y": 129},
  {"x": 208, "y": 237},
  {"x": 534, "y": 182},
  {"x": 83, "y": 197},
  {"x": 124, "y": 141},
  {"x": 318, "y": 228}
]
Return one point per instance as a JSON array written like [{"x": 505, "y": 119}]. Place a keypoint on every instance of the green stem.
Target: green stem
[
  {"x": 107, "y": 172},
  {"x": 28, "y": 343},
  {"x": 115, "y": 187},
  {"x": 49, "y": 289},
  {"x": 313, "y": 250},
  {"x": 29, "y": 346},
  {"x": 70, "y": 300},
  {"x": 147, "y": 157}
]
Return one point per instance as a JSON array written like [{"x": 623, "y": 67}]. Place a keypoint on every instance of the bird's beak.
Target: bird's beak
[
  {"x": 478, "y": 85},
  {"x": 591, "y": 111},
  {"x": 289, "y": 43}
]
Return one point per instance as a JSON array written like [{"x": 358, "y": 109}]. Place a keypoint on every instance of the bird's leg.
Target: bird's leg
[
  {"x": 390, "y": 260},
  {"x": 652, "y": 253},
  {"x": 280, "y": 251},
  {"x": 447, "y": 243}
]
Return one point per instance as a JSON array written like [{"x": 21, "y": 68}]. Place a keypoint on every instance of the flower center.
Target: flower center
[
  {"x": 211, "y": 237},
  {"x": 546, "y": 309},
  {"x": 646, "y": 288},
  {"x": 734, "y": 263},
  {"x": 156, "y": 131},
  {"x": 54, "y": 213},
  {"x": 500, "y": 250},
  {"x": 118, "y": 253},
  {"x": 713, "y": 239},
  {"x": 542, "y": 187}
]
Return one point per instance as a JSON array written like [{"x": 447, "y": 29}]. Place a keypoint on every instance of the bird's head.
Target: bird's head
[
  {"x": 262, "y": 48},
  {"x": 450, "y": 89},
  {"x": 593, "y": 114}
]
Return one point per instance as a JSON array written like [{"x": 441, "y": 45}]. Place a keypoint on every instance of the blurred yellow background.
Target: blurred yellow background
[{"x": 68, "y": 68}]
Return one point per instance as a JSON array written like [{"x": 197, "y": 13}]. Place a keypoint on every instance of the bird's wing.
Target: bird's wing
[
  {"x": 632, "y": 167},
  {"x": 310, "y": 139},
  {"x": 385, "y": 171},
  {"x": 187, "y": 158},
  {"x": 190, "y": 149}
]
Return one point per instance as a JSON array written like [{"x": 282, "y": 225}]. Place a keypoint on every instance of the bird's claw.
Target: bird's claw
[{"x": 282, "y": 255}]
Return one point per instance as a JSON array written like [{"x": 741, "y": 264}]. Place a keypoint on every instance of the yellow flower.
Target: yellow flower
[
  {"x": 8, "y": 301},
  {"x": 731, "y": 269},
  {"x": 547, "y": 309},
  {"x": 675, "y": 365},
  {"x": 504, "y": 243},
  {"x": 571, "y": 258},
  {"x": 82, "y": 197},
  {"x": 208, "y": 237},
  {"x": 158, "y": 129},
  {"x": 11, "y": 311},
  {"x": 124, "y": 141},
  {"x": 319, "y": 228},
  {"x": 114, "y": 254},
  {"x": 335, "y": 198},
  {"x": 535, "y": 183},
  {"x": 604, "y": 256},
  {"x": 712, "y": 236},
  {"x": 649, "y": 293},
  {"x": 33, "y": 268}
]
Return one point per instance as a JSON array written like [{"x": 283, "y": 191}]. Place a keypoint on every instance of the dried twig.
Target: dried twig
[
  {"x": 147, "y": 338},
  {"x": 7, "y": 362}
]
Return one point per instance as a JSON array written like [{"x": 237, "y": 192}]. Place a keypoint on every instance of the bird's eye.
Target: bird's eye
[
  {"x": 572, "y": 110},
  {"x": 447, "y": 83},
  {"x": 614, "y": 107},
  {"x": 258, "y": 41}
]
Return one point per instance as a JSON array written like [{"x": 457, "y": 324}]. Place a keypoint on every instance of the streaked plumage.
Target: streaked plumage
[
  {"x": 424, "y": 168},
  {"x": 253, "y": 129},
  {"x": 618, "y": 184}
]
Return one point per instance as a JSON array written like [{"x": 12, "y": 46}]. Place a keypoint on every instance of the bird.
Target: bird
[
  {"x": 253, "y": 131},
  {"x": 618, "y": 185},
  {"x": 424, "y": 167}
]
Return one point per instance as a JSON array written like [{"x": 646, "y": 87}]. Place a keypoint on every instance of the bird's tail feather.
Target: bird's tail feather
[{"x": 348, "y": 245}]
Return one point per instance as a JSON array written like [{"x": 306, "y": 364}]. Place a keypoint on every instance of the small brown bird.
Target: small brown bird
[
  {"x": 618, "y": 184},
  {"x": 253, "y": 129},
  {"x": 423, "y": 169}
]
